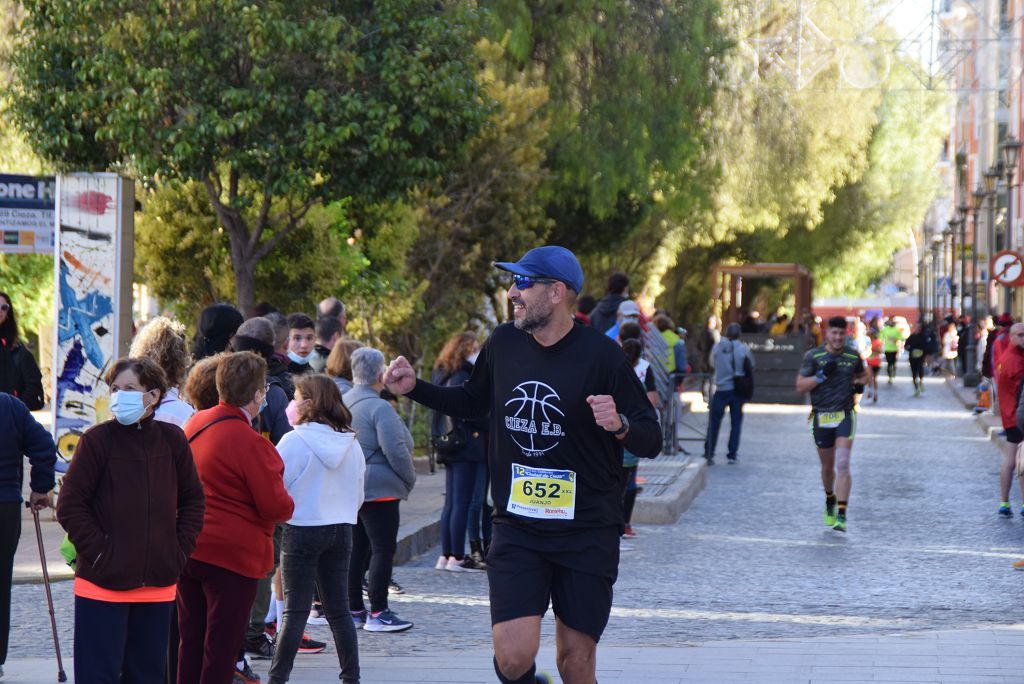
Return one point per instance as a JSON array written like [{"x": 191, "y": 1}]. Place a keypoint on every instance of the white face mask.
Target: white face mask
[
  {"x": 128, "y": 406},
  {"x": 473, "y": 357}
]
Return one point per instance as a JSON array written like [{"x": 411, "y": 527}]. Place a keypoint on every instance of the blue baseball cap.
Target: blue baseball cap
[{"x": 549, "y": 261}]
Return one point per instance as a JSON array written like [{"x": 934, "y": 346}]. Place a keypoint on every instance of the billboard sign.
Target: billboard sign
[
  {"x": 26, "y": 214},
  {"x": 95, "y": 244}
]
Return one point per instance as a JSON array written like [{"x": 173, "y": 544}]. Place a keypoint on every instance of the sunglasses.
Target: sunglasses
[{"x": 526, "y": 282}]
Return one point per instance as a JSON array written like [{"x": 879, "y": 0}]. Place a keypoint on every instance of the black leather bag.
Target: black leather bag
[
  {"x": 447, "y": 435},
  {"x": 743, "y": 385}
]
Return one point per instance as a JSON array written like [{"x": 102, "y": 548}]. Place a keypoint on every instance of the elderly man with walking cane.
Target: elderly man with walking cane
[{"x": 22, "y": 436}]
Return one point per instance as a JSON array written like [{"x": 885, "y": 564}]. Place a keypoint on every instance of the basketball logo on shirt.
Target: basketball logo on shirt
[{"x": 532, "y": 418}]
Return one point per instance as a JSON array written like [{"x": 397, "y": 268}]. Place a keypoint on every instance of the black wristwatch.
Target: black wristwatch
[{"x": 625, "y": 425}]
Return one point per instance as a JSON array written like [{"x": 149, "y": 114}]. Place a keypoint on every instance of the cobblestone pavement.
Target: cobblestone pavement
[{"x": 751, "y": 559}]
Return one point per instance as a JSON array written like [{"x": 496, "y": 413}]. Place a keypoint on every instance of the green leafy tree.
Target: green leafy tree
[
  {"x": 782, "y": 152},
  {"x": 630, "y": 94},
  {"x": 183, "y": 254},
  {"x": 432, "y": 257},
  {"x": 273, "y": 107},
  {"x": 488, "y": 210}
]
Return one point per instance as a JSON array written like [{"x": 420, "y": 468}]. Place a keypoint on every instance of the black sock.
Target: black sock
[
  {"x": 529, "y": 678},
  {"x": 842, "y": 509},
  {"x": 830, "y": 499}
]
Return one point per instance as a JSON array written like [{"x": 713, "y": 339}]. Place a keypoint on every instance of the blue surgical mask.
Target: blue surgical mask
[
  {"x": 127, "y": 406},
  {"x": 263, "y": 404},
  {"x": 297, "y": 358}
]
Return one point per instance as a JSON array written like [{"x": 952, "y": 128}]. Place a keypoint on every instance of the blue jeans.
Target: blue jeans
[
  {"x": 459, "y": 482},
  {"x": 317, "y": 555},
  {"x": 479, "y": 525},
  {"x": 121, "y": 642},
  {"x": 719, "y": 401}
]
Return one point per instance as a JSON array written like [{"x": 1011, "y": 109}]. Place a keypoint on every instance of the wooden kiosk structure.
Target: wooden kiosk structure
[
  {"x": 728, "y": 287},
  {"x": 777, "y": 358}
]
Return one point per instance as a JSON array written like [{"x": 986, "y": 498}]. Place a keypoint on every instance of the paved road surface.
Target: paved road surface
[{"x": 750, "y": 583}]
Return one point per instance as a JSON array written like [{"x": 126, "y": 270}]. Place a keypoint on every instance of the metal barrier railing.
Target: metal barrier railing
[{"x": 680, "y": 422}]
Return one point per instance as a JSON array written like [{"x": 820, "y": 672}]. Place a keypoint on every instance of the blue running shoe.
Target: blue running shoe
[{"x": 386, "y": 621}]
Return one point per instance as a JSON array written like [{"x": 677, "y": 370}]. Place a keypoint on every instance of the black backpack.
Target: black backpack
[{"x": 447, "y": 434}]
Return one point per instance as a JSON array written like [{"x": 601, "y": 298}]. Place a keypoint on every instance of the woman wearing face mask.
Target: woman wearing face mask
[
  {"x": 453, "y": 367},
  {"x": 241, "y": 474},
  {"x": 132, "y": 505}
]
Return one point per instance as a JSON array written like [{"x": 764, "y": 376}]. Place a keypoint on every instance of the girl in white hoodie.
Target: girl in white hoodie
[{"x": 323, "y": 472}]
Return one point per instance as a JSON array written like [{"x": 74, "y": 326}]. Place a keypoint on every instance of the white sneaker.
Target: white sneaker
[
  {"x": 455, "y": 565},
  {"x": 441, "y": 564},
  {"x": 316, "y": 617}
]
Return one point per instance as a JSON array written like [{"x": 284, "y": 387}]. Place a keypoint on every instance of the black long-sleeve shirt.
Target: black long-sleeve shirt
[{"x": 553, "y": 468}]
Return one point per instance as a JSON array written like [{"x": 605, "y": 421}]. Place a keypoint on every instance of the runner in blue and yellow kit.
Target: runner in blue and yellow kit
[{"x": 829, "y": 373}]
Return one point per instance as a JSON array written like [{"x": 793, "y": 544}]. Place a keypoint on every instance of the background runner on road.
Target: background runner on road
[{"x": 829, "y": 373}]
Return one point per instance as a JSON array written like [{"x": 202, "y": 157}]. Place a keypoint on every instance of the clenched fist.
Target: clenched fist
[
  {"x": 605, "y": 413},
  {"x": 399, "y": 377}
]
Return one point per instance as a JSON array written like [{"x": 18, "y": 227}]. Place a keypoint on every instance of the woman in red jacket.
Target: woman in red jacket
[
  {"x": 245, "y": 496},
  {"x": 132, "y": 505}
]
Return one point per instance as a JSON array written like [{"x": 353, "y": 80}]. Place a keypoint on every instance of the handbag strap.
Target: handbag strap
[{"x": 213, "y": 422}]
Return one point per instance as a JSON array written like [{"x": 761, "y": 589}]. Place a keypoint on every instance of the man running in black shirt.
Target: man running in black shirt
[
  {"x": 917, "y": 348},
  {"x": 829, "y": 373},
  {"x": 564, "y": 403}
]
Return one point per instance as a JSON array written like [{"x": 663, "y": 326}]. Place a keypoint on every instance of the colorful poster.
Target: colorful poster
[
  {"x": 93, "y": 268},
  {"x": 26, "y": 214}
]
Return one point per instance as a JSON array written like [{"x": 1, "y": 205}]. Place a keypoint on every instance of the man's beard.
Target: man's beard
[{"x": 532, "y": 321}]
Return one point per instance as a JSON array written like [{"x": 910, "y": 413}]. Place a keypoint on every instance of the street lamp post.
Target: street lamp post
[
  {"x": 952, "y": 230},
  {"x": 948, "y": 235},
  {"x": 1011, "y": 150},
  {"x": 962, "y": 211},
  {"x": 937, "y": 241},
  {"x": 971, "y": 377},
  {"x": 991, "y": 179}
]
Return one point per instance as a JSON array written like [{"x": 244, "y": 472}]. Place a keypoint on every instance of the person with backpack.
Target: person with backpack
[
  {"x": 734, "y": 366},
  {"x": 460, "y": 448},
  {"x": 132, "y": 505}
]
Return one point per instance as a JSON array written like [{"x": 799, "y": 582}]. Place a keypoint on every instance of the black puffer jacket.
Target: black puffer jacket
[{"x": 19, "y": 375}]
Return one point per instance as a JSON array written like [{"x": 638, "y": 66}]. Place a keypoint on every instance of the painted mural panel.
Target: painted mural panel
[{"x": 87, "y": 265}]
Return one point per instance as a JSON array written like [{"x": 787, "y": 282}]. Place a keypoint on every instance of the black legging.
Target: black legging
[
  {"x": 374, "y": 539},
  {"x": 917, "y": 368},
  {"x": 10, "y": 532}
]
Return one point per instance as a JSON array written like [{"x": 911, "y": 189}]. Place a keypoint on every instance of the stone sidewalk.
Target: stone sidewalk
[{"x": 976, "y": 656}]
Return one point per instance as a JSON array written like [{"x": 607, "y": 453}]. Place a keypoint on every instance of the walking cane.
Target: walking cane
[{"x": 61, "y": 676}]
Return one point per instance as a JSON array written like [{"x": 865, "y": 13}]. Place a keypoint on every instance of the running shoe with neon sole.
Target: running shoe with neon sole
[
  {"x": 1005, "y": 511},
  {"x": 840, "y": 525},
  {"x": 310, "y": 645},
  {"x": 245, "y": 675},
  {"x": 1018, "y": 565},
  {"x": 543, "y": 678},
  {"x": 830, "y": 515}
]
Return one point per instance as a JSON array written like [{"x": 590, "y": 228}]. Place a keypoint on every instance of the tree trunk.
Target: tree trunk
[{"x": 245, "y": 286}]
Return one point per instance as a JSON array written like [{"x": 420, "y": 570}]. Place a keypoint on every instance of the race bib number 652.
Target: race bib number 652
[{"x": 542, "y": 493}]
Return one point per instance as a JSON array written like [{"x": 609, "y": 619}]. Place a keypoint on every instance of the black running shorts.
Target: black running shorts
[
  {"x": 890, "y": 358},
  {"x": 827, "y": 426},
  {"x": 574, "y": 573},
  {"x": 1014, "y": 435}
]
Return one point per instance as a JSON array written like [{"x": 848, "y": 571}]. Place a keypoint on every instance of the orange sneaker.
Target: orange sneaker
[{"x": 1018, "y": 565}]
